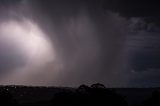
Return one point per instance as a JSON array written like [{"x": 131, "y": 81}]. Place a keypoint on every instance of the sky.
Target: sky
[{"x": 73, "y": 42}]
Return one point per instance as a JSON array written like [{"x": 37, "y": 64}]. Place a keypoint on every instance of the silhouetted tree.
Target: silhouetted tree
[
  {"x": 89, "y": 96},
  {"x": 98, "y": 85},
  {"x": 83, "y": 88}
]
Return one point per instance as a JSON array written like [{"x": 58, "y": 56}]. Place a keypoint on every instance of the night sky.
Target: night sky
[{"x": 73, "y": 42}]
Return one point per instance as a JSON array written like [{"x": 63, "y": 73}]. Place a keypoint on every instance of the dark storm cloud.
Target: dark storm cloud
[
  {"x": 144, "y": 59},
  {"x": 89, "y": 40},
  {"x": 142, "y": 41},
  {"x": 95, "y": 41},
  {"x": 144, "y": 48},
  {"x": 134, "y": 8},
  {"x": 104, "y": 41}
]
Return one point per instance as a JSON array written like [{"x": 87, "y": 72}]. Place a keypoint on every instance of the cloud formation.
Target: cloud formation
[{"x": 90, "y": 42}]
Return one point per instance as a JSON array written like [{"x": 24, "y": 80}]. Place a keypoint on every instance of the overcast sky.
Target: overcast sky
[{"x": 73, "y": 42}]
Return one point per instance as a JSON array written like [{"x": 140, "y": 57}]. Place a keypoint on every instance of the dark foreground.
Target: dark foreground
[{"x": 95, "y": 95}]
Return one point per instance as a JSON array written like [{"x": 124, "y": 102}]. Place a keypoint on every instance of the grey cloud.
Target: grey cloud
[{"x": 91, "y": 43}]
